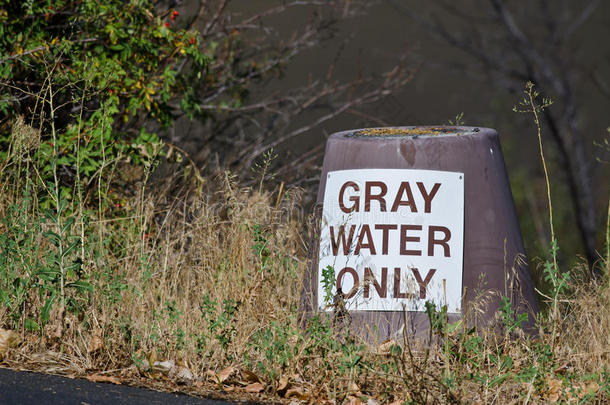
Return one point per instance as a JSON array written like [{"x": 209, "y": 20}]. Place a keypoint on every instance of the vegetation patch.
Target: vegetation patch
[
  {"x": 120, "y": 263},
  {"x": 199, "y": 291}
]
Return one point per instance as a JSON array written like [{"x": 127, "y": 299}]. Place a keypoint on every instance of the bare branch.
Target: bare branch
[
  {"x": 582, "y": 18},
  {"x": 462, "y": 43}
]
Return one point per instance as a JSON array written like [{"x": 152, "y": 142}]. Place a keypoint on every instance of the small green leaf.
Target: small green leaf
[
  {"x": 54, "y": 238},
  {"x": 49, "y": 274},
  {"x": 31, "y": 325},
  {"x": 452, "y": 327},
  {"x": 67, "y": 225},
  {"x": 46, "y": 309},
  {"x": 70, "y": 248},
  {"x": 81, "y": 285}
]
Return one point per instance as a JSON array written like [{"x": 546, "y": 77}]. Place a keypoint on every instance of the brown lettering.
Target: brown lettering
[
  {"x": 423, "y": 285},
  {"x": 368, "y": 195},
  {"x": 354, "y": 289},
  {"x": 385, "y": 229},
  {"x": 404, "y": 239},
  {"x": 428, "y": 197},
  {"x": 409, "y": 202},
  {"x": 366, "y": 231},
  {"x": 443, "y": 242},
  {"x": 397, "y": 293},
  {"x": 341, "y": 236},
  {"x": 369, "y": 277},
  {"x": 354, "y": 199}
]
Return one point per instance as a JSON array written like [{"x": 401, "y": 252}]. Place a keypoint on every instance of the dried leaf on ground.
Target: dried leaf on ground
[
  {"x": 297, "y": 392},
  {"x": 354, "y": 389},
  {"x": 95, "y": 344},
  {"x": 164, "y": 366},
  {"x": 283, "y": 384},
  {"x": 8, "y": 338},
  {"x": 591, "y": 387},
  {"x": 351, "y": 400},
  {"x": 255, "y": 388},
  {"x": 182, "y": 374},
  {"x": 554, "y": 390},
  {"x": 225, "y": 374},
  {"x": 249, "y": 376},
  {"x": 103, "y": 379},
  {"x": 581, "y": 390}
]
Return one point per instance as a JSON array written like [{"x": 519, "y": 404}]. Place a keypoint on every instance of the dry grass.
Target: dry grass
[{"x": 200, "y": 293}]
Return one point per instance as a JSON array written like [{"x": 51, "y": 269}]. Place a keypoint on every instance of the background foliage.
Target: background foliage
[{"x": 88, "y": 75}]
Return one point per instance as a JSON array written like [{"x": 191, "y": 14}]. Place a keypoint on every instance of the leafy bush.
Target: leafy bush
[{"x": 88, "y": 75}]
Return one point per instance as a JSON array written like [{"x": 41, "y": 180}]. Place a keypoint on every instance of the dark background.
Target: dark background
[{"x": 448, "y": 82}]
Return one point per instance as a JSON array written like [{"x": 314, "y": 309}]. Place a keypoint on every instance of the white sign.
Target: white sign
[{"x": 392, "y": 239}]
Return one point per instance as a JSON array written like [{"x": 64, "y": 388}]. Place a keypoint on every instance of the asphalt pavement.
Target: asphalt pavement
[{"x": 25, "y": 388}]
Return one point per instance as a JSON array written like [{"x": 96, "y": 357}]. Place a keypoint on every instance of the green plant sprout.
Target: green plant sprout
[{"x": 328, "y": 283}]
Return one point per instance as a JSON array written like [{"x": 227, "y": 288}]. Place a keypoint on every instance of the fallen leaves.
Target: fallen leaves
[
  {"x": 97, "y": 378},
  {"x": 163, "y": 367},
  {"x": 354, "y": 394},
  {"x": 250, "y": 376},
  {"x": 167, "y": 368},
  {"x": 297, "y": 393},
  {"x": 231, "y": 378},
  {"x": 8, "y": 339},
  {"x": 589, "y": 388},
  {"x": 556, "y": 393},
  {"x": 181, "y": 374},
  {"x": 354, "y": 389},
  {"x": 554, "y": 389},
  {"x": 293, "y": 387},
  {"x": 283, "y": 385},
  {"x": 225, "y": 374},
  {"x": 255, "y": 388},
  {"x": 95, "y": 342}
]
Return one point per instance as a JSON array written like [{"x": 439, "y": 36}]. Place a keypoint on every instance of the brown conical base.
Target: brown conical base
[{"x": 493, "y": 252}]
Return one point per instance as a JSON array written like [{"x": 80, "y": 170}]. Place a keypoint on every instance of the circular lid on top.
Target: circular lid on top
[{"x": 411, "y": 132}]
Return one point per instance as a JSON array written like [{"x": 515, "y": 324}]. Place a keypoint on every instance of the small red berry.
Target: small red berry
[
  {"x": 192, "y": 40},
  {"x": 166, "y": 24}
]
